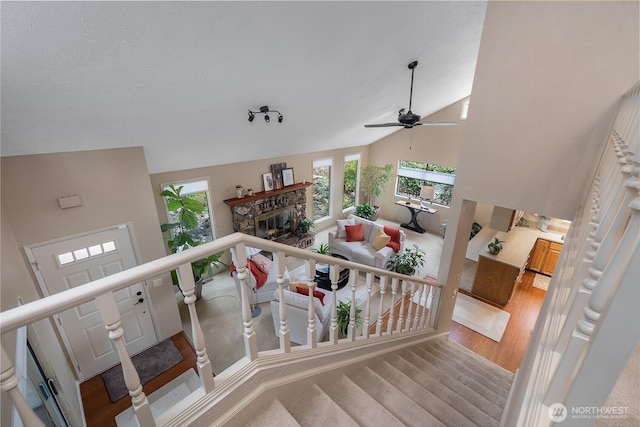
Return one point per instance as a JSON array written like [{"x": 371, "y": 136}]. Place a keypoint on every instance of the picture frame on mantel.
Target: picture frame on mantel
[
  {"x": 287, "y": 177},
  {"x": 276, "y": 171},
  {"x": 267, "y": 179}
]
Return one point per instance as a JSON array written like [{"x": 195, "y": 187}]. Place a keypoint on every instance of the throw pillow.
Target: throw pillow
[
  {"x": 263, "y": 263},
  {"x": 304, "y": 290},
  {"x": 342, "y": 233},
  {"x": 294, "y": 285},
  {"x": 381, "y": 240},
  {"x": 354, "y": 233},
  {"x": 394, "y": 233}
]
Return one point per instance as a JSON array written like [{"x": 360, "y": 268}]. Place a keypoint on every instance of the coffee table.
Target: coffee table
[{"x": 322, "y": 275}]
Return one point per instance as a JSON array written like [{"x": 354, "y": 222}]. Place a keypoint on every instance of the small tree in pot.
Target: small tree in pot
[
  {"x": 407, "y": 262},
  {"x": 181, "y": 234},
  {"x": 372, "y": 181}
]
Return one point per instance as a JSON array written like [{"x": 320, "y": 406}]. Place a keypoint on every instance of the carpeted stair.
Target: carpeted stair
[{"x": 439, "y": 383}]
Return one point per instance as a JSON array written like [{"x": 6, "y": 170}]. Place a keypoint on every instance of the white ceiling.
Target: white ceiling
[{"x": 179, "y": 77}]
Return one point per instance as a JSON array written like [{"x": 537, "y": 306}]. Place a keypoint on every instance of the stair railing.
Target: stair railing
[
  {"x": 586, "y": 332},
  {"x": 101, "y": 291}
]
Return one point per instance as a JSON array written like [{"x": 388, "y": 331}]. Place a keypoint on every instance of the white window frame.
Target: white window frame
[
  {"x": 350, "y": 158},
  {"x": 436, "y": 177},
  {"x": 318, "y": 163}
]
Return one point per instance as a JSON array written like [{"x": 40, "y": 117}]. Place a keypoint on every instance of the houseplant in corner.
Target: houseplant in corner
[
  {"x": 365, "y": 210},
  {"x": 182, "y": 235},
  {"x": 495, "y": 246},
  {"x": 407, "y": 262},
  {"x": 344, "y": 316},
  {"x": 372, "y": 181}
]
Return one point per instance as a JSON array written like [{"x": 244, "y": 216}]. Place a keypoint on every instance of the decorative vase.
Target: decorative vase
[
  {"x": 249, "y": 191},
  {"x": 239, "y": 191}
]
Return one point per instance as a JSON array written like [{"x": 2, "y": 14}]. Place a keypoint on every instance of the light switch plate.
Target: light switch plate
[{"x": 70, "y": 201}]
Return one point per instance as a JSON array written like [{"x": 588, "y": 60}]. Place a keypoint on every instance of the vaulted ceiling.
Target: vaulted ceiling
[{"x": 179, "y": 77}]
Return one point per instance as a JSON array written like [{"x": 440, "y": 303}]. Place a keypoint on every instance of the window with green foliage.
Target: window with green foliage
[
  {"x": 351, "y": 172},
  {"x": 322, "y": 188},
  {"x": 413, "y": 175},
  {"x": 197, "y": 190}
]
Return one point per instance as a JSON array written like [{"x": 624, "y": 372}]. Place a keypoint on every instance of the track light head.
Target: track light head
[
  {"x": 265, "y": 110},
  {"x": 266, "y": 118},
  {"x": 280, "y": 118},
  {"x": 251, "y": 116}
]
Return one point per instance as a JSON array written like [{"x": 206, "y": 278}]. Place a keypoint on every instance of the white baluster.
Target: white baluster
[
  {"x": 428, "y": 304},
  {"x": 9, "y": 383},
  {"x": 285, "y": 334},
  {"x": 250, "y": 340},
  {"x": 187, "y": 285},
  {"x": 419, "y": 308},
  {"x": 412, "y": 293},
  {"x": 383, "y": 285},
  {"x": 403, "y": 294},
  {"x": 312, "y": 338},
  {"x": 365, "y": 327},
  {"x": 351, "y": 330},
  {"x": 110, "y": 316},
  {"x": 334, "y": 275},
  {"x": 394, "y": 291}
]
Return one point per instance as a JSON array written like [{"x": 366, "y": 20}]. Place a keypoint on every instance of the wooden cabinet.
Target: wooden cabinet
[
  {"x": 495, "y": 281},
  {"x": 544, "y": 256}
]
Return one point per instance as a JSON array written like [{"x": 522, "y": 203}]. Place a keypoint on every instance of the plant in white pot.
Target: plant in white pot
[
  {"x": 372, "y": 181},
  {"x": 182, "y": 235}
]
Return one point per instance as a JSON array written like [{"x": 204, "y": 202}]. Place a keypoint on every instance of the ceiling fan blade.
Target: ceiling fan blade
[
  {"x": 436, "y": 124},
  {"x": 383, "y": 125}
]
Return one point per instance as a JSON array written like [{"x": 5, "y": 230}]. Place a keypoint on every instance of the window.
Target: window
[
  {"x": 322, "y": 188},
  {"x": 413, "y": 175},
  {"x": 198, "y": 190},
  {"x": 464, "y": 111},
  {"x": 351, "y": 178}
]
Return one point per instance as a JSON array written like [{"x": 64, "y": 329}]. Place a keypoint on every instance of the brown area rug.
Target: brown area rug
[{"x": 149, "y": 364}]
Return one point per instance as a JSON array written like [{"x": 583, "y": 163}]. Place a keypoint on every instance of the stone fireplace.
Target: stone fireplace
[{"x": 272, "y": 215}]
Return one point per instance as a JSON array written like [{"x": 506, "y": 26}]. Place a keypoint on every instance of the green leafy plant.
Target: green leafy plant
[
  {"x": 344, "y": 316},
  {"x": 495, "y": 246},
  {"x": 304, "y": 226},
  {"x": 323, "y": 249},
  {"x": 365, "y": 211},
  {"x": 372, "y": 181},
  {"x": 407, "y": 262},
  {"x": 181, "y": 234}
]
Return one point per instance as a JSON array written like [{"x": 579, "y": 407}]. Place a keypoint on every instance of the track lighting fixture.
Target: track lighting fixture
[{"x": 265, "y": 110}]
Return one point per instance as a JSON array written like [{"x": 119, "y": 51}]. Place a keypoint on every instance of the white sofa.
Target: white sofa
[
  {"x": 362, "y": 252},
  {"x": 297, "y": 306},
  {"x": 265, "y": 292}
]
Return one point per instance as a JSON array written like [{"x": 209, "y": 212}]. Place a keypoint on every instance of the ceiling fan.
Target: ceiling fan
[{"x": 408, "y": 119}]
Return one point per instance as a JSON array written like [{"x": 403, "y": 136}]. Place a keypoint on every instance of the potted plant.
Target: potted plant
[
  {"x": 304, "y": 226},
  {"x": 365, "y": 211},
  {"x": 495, "y": 246},
  {"x": 324, "y": 249},
  {"x": 407, "y": 262},
  {"x": 372, "y": 181},
  {"x": 344, "y": 316},
  {"x": 181, "y": 233}
]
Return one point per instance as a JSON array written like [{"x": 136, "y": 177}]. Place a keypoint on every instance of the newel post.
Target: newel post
[{"x": 9, "y": 383}]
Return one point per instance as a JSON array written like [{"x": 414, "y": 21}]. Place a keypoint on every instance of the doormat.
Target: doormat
[
  {"x": 149, "y": 364},
  {"x": 483, "y": 318}
]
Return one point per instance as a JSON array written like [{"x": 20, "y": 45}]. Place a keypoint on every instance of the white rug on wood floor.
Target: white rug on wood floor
[
  {"x": 163, "y": 398},
  {"x": 541, "y": 281},
  {"x": 483, "y": 318}
]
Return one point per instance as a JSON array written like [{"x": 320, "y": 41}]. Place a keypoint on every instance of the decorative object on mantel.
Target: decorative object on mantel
[
  {"x": 287, "y": 177},
  {"x": 265, "y": 110},
  {"x": 239, "y": 191},
  {"x": 276, "y": 171},
  {"x": 495, "y": 246},
  {"x": 249, "y": 192},
  {"x": 267, "y": 179}
]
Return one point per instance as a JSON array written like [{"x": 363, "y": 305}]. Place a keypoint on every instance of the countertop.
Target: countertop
[{"x": 516, "y": 246}]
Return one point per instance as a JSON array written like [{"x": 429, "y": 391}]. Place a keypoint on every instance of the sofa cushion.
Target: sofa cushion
[
  {"x": 263, "y": 263},
  {"x": 381, "y": 240},
  {"x": 342, "y": 233},
  {"x": 302, "y": 301},
  {"x": 363, "y": 254},
  {"x": 394, "y": 233},
  {"x": 304, "y": 290},
  {"x": 355, "y": 233}
]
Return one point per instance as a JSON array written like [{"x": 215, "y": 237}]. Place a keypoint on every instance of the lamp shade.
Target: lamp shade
[{"x": 427, "y": 192}]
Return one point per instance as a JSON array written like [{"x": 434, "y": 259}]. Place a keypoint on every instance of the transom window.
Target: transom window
[{"x": 413, "y": 175}]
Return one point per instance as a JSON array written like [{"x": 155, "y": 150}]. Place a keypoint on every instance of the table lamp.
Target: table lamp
[{"x": 427, "y": 192}]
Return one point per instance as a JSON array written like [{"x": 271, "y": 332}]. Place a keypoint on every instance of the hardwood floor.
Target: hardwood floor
[
  {"x": 99, "y": 411},
  {"x": 508, "y": 353}
]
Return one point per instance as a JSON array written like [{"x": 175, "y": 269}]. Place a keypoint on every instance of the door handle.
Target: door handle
[{"x": 140, "y": 300}]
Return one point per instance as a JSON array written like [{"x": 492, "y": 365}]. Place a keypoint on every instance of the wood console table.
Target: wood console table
[{"x": 415, "y": 209}]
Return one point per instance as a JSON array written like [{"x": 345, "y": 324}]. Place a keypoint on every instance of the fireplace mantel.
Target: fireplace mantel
[{"x": 264, "y": 194}]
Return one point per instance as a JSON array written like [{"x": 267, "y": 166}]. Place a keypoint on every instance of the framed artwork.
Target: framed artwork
[
  {"x": 276, "y": 171},
  {"x": 267, "y": 178},
  {"x": 287, "y": 177}
]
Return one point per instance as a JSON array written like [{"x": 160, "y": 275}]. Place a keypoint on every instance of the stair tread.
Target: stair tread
[
  {"x": 396, "y": 402},
  {"x": 363, "y": 408},
  {"x": 472, "y": 380},
  {"x": 459, "y": 351},
  {"x": 316, "y": 408},
  {"x": 433, "y": 402},
  {"x": 463, "y": 399},
  {"x": 273, "y": 414}
]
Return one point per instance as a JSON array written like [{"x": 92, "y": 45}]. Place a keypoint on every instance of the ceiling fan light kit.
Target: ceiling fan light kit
[
  {"x": 265, "y": 110},
  {"x": 408, "y": 119}
]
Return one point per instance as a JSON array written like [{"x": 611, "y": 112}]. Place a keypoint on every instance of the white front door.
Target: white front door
[{"x": 67, "y": 263}]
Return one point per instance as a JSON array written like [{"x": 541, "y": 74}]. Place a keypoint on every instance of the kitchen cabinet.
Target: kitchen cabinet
[
  {"x": 495, "y": 281},
  {"x": 544, "y": 256}
]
